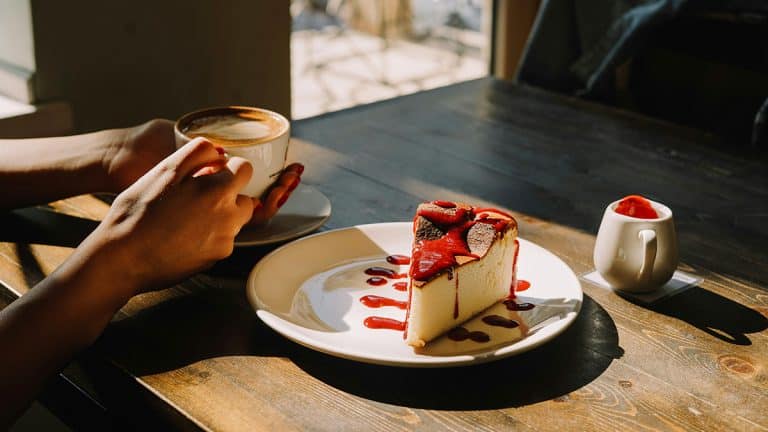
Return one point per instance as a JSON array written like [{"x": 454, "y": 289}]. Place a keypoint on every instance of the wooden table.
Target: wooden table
[{"x": 196, "y": 356}]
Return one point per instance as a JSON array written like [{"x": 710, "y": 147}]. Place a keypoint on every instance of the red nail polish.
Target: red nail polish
[
  {"x": 282, "y": 200},
  {"x": 258, "y": 206},
  {"x": 300, "y": 169},
  {"x": 295, "y": 184},
  {"x": 220, "y": 150}
]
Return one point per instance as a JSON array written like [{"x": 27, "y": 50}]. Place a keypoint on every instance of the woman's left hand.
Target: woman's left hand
[{"x": 136, "y": 150}]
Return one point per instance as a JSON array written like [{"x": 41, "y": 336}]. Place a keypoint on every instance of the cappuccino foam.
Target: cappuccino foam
[{"x": 236, "y": 129}]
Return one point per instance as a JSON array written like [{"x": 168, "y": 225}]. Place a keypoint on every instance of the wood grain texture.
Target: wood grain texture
[{"x": 196, "y": 357}]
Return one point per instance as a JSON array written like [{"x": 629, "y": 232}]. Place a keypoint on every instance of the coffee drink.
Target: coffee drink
[
  {"x": 238, "y": 128},
  {"x": 258, "y": 135}
]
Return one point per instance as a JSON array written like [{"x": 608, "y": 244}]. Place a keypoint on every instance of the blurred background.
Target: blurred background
[
  {"x": 345, "y": 53},
  {"x": 87, "y": 65},
  {"x": 84, "y": 65}
]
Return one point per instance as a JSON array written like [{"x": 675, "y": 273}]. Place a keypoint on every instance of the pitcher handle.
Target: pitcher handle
[{"x": 648, "y": 237}]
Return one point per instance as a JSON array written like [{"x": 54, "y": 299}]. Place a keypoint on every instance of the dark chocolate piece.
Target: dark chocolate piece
[
  {"x": 426, "y": 230},
  {"x": 480, "y": 238}
]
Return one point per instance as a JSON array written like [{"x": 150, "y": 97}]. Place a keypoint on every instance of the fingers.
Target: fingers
[
  {"x": 278, "y": 195},
  {"x": 193, "y": 156},
  {"x": 295, "y": 167},
  {"x": 211, "y": 168},
  {"x": 245, "y": 206},
  {"x": 241, "y": 170}
]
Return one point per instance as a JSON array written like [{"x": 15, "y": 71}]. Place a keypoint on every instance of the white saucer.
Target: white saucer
[
  {"x": 305, "y": 211},
  {"x": 321, "y": 280}
]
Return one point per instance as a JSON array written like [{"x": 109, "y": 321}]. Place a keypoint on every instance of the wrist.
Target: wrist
[
  {"x": 112, "y": 142},
  {"x": 106, "y": 259}
]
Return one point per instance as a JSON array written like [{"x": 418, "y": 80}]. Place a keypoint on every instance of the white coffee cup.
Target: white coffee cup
[
  {"x": 258, "y": 135},
  {"x": 634, "y": 254}
]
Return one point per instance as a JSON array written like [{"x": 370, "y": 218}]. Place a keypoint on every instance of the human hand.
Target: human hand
[
  {"x": 134, "y": 151},
  {"x": 277, "y": 195},
  {"x": 179, "y": 218}
]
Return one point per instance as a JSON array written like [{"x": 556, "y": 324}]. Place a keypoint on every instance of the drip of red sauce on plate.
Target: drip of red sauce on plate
[
  {"x": 375, "y": 322},
  {"x": 459, "y": 334},
  {"x": 374, "y": 301},
  {"x": 399, "y": 259},
  {"x": 500, "y": 321},
  {"x": 522, "y": 285},
  {"x": 513, "y": 306},
  {"x": 400, "y": 286},
  {"x": 636, "y": 206},
  {"x": 376, "y": 281},
  {"x": 383, "y": 271}
]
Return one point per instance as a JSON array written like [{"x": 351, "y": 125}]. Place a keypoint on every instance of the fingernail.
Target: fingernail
[
  {"x": 282, "y": 200},
  {"x": 257, "y": 206},
  {"x": 220, "y": 150},
  {"x": 300, "y": 169},
  {"x": 295, "y": 184}
]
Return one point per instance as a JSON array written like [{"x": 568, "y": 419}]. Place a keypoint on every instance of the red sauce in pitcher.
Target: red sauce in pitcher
[{"x": 636, "y": 206}]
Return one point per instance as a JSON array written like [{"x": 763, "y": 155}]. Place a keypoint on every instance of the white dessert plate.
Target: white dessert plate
[
  {"x": 305, "y": 211},
  {"x": 309, "y": 291}
]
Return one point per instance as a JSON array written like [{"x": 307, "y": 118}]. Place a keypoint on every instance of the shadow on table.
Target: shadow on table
[
  {"x": 565, "y": 364},
  {"x": 41, "y": 225},
  {"x": 216, "y": 323},
  {"x": 195, "y": 326},
  {"x": 712, "y": 313}
]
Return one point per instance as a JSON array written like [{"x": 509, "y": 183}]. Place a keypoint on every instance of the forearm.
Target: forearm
[
  {"x": 41, "y": 170},
  {"x": 60, "y": 316}
]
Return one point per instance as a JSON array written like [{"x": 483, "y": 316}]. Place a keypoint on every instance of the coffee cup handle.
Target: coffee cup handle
[{"x": 648, "y": 237}]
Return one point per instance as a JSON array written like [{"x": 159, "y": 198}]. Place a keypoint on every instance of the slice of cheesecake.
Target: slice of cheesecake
[{"x": 462, "y": 263}]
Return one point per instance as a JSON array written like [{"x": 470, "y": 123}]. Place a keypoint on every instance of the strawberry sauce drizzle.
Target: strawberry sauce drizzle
[
  {"x": 376, "y": 281},
  {"x": 383, "y": 271},
  {"x": 431, "y": 257},
  {"x": 400, "y": 286},
  {"x": 399, "y": 259},
  {"x": 376, "y": 322},
  {"x": 374, "y": 301},
  {"x": 444, "y": 204}
]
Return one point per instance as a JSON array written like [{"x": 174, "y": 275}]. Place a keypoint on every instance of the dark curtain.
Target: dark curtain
[{"x": 575, "y": 45}]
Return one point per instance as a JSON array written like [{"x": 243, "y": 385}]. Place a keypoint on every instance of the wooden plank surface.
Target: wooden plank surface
[{"x": 197, "y": 357}]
